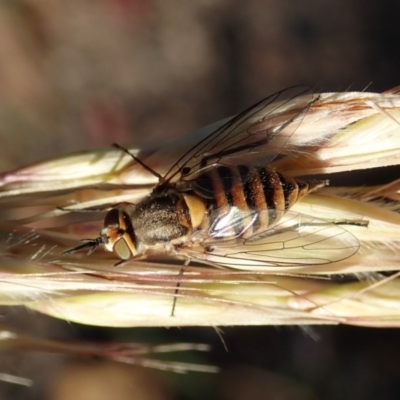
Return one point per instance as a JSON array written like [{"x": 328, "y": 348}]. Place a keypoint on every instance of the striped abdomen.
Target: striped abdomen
[{"x": 262, "y": 189}]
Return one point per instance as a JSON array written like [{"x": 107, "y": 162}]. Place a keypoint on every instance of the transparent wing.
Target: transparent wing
[
  {"x": 296, "y": 240},
  {"x": 263, "y": 130}
]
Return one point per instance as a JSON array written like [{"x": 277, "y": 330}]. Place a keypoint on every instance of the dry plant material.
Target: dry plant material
[{"x": 336, "y": 253}]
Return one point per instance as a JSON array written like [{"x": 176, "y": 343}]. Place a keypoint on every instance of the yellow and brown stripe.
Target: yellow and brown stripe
[{"x": 260, "y": 189}]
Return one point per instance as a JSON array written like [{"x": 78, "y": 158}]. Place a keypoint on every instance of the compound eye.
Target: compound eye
[{"x": 122, "y": 250}]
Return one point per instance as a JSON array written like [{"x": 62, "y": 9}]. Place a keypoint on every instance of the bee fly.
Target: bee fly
[{"x": 224, "y": 203}]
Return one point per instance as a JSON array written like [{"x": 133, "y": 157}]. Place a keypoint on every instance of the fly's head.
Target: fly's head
[{"x": 117, "y": 236}]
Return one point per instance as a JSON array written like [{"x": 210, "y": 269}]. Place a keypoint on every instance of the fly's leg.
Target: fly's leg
[
  {"x": 178, "y": 284},
  {"x": 355, "y": 222},
  {"x": 94, "y": 210},
  {"x": 117, "y": 264},
  {"x": 82, "y": 210},
  {"x": 139, "y": 161}
]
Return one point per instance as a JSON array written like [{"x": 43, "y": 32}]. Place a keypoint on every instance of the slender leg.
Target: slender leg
[
  {"x": 178, "y": 284},
  {"x": 97, "y": 209}
]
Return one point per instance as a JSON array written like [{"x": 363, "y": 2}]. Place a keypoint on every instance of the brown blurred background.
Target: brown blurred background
[{"x": 81, "y": 74}]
